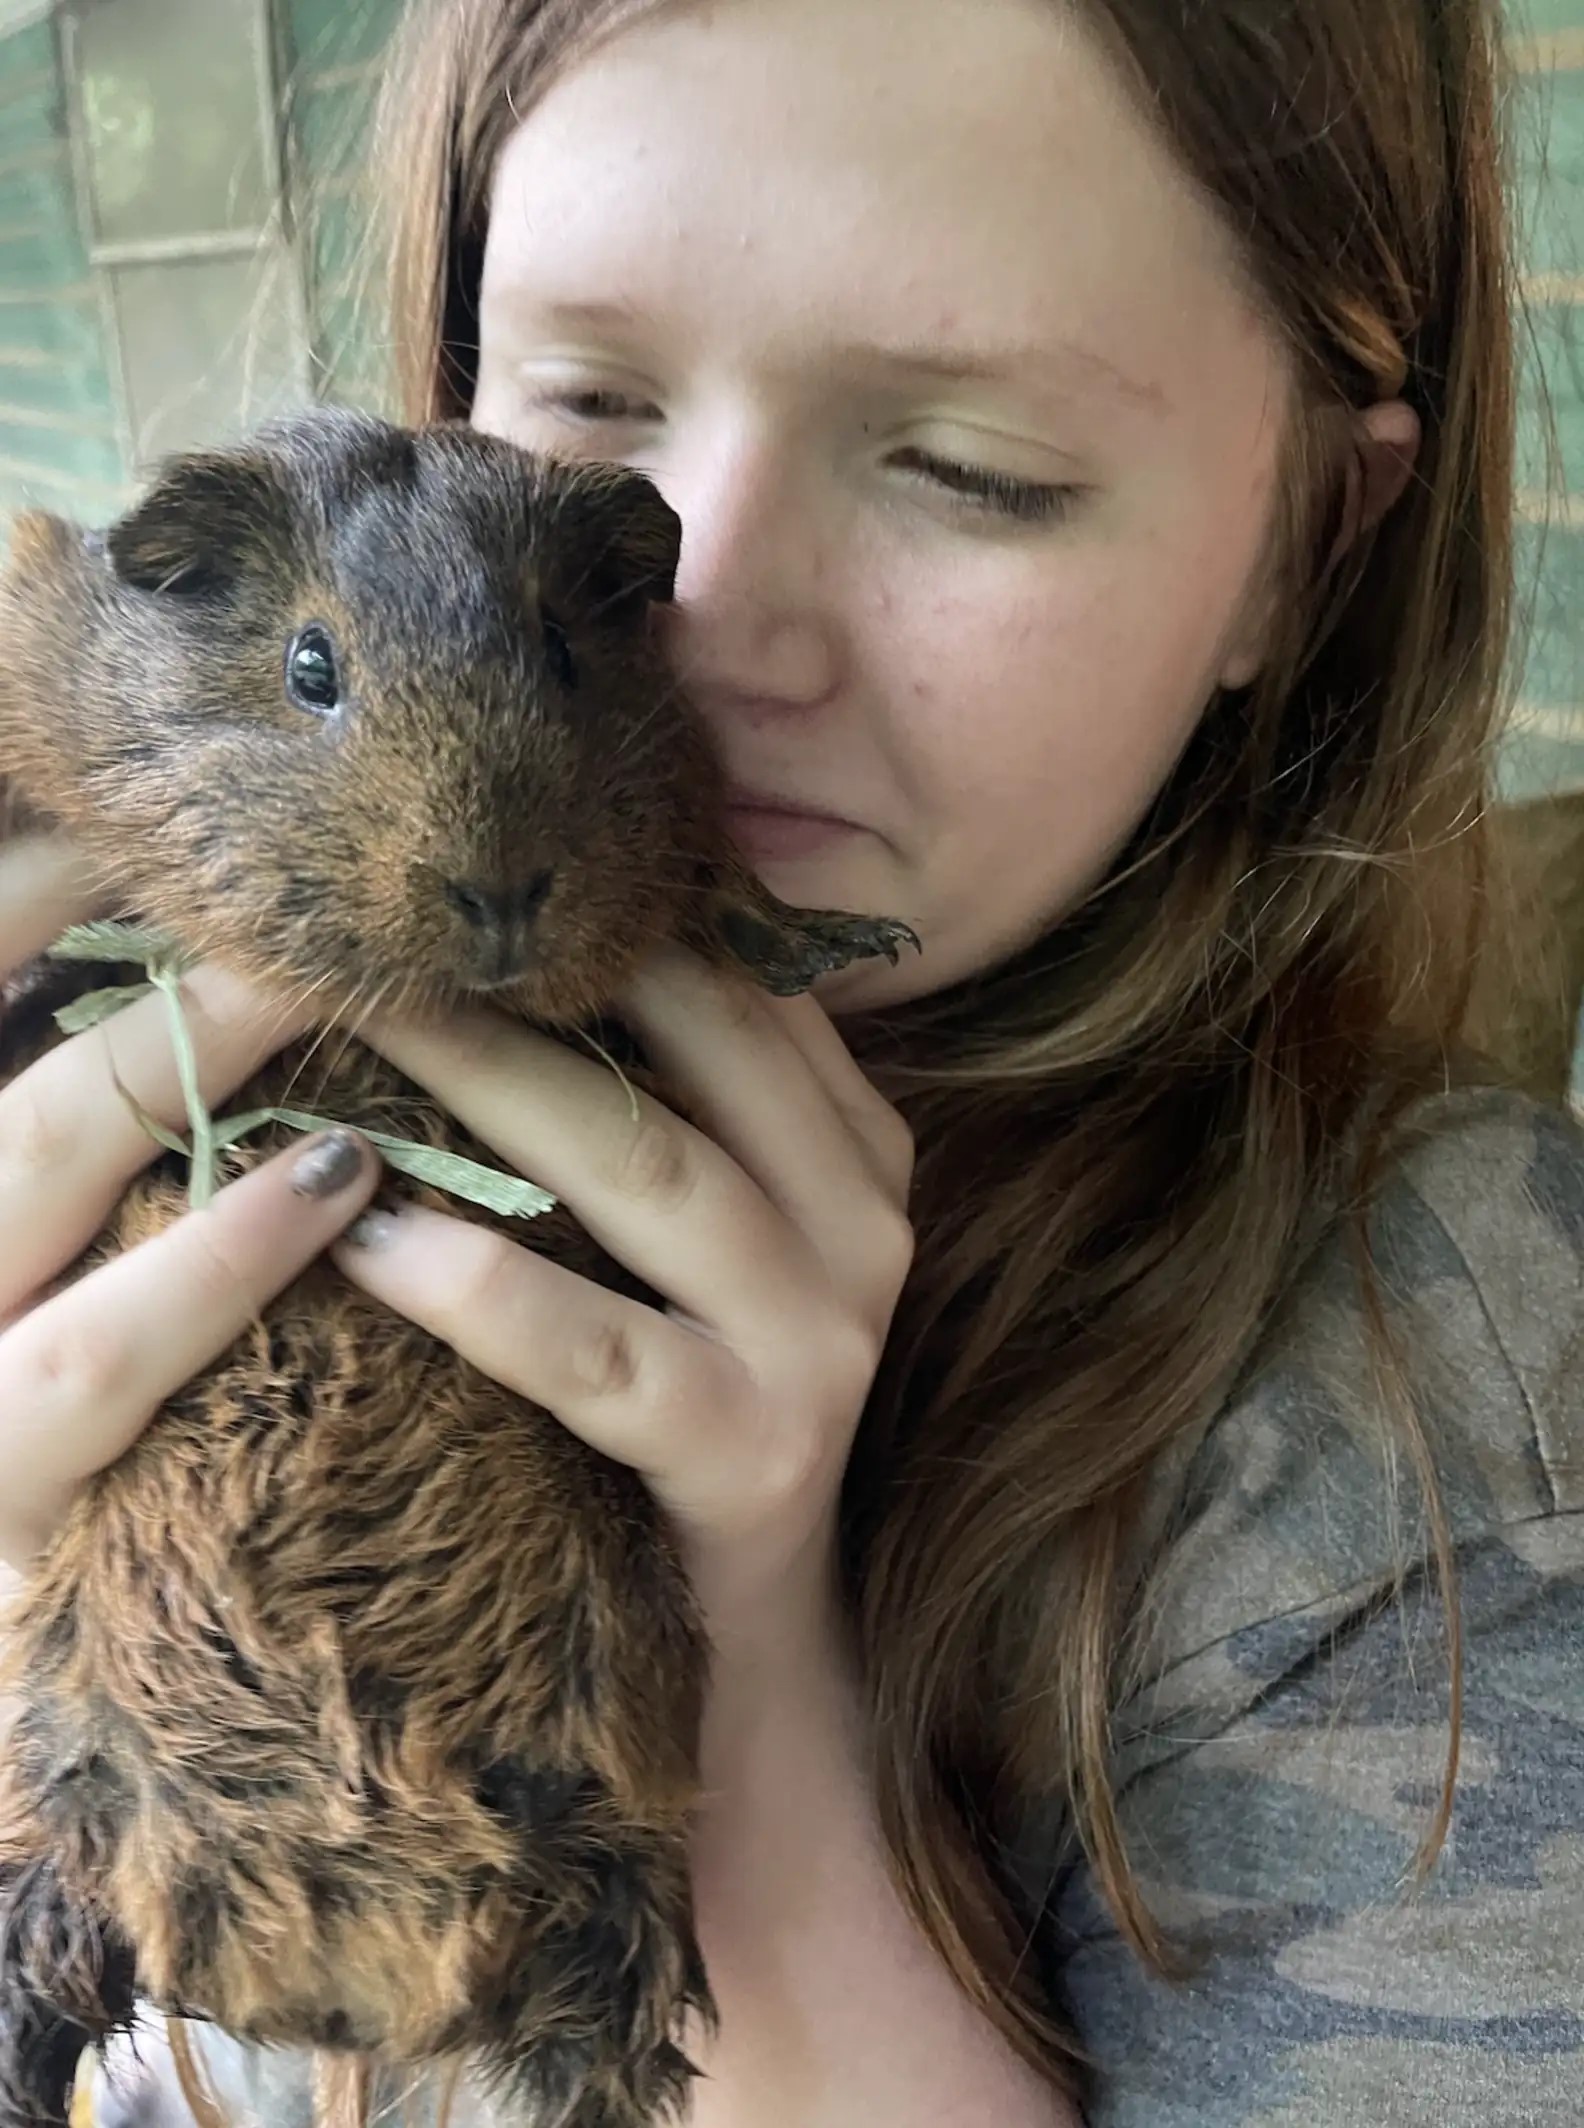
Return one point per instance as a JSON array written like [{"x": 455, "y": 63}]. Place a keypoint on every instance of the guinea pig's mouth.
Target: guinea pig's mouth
[
  {"x": 494, "y": 929},
  {"x": 511, "y": 978},
  {"x": 507, "y": 969}
]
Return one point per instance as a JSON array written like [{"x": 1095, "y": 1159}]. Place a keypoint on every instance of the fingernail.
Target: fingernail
[
  {"x": 371, "y": 1230},
  {"x": 330, "y": 1163}
]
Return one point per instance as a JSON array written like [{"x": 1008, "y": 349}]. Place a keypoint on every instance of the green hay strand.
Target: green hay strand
[{"x": 491, "y": 1188}]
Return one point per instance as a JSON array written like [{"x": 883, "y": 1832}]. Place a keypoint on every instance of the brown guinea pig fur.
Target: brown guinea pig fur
[{"x": 359, "y": 1699}]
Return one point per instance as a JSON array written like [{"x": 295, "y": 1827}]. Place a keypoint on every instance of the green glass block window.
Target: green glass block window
[{"x": 177, "y": 155}]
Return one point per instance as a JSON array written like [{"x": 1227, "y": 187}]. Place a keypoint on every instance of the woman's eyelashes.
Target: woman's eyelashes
[
  {"x": 979, "y": 489},
  {"x": 592, "y": 404},
  {"x": 1029, "y": 501}
]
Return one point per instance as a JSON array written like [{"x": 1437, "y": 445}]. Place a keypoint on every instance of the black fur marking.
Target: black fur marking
[
  {"x": 66, "y": 1983},
  {"x": 527, "y": 1797}
]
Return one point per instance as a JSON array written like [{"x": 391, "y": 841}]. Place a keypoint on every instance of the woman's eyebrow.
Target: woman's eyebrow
[{"x": 1064, "y": 368}]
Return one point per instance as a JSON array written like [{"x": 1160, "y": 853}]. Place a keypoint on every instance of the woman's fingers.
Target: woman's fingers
[
  {"x": 637, "y": 1385},
  {"x": 45, "y": 888},
  {"x": 877, "y": 1125},
  {"x": 776, "y": 1232},
  {"x": 82, "y": 1373},
  {"x": 756, "y": 1094},
  {"x": 655, "y": 1192},
  {"x": 749, "y": 1064},
  {"x": 595, "y": 1358},
  {"x": 70, "y": 1144},
  {"x": 729, "y": 1220}
]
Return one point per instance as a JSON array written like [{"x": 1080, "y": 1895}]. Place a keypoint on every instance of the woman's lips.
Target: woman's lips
[{"x": 764, "y": 828}]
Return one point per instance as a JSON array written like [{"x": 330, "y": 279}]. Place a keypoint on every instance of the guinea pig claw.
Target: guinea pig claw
[{"x": 787, "y": 949}]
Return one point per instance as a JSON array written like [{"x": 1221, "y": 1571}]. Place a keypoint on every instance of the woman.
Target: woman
[{"x": 1091, "y": 428}]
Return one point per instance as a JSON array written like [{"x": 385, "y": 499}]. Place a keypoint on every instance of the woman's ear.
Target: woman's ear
[
  {"x": 1385, "y": 448},
  {"x": 1379, "y": 465}
]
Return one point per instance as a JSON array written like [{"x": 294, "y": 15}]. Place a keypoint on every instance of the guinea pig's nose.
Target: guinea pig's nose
[
  {"x": 503, "y": 917},
  {"x": 497, "y": 908}
]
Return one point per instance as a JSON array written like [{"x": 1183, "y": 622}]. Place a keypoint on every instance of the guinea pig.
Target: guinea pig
[{"x": 360, "y": 1699}]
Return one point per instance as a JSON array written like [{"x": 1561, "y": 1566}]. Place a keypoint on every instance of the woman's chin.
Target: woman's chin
[{"x": 841, "y": 874}]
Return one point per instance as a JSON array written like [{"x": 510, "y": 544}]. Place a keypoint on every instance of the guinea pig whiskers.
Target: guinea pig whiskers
[
  {"x": 605, "y": 1057},
  {"x": 362, "y": 1007},
  {"x": 377, "y": 1001},
  {"x": 305, "y": 992},
  {"x": 641, "y": 730},
  {"x": 296, "y": 1001}
]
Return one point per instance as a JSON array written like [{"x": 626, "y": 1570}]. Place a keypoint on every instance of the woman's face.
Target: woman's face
[{"x": 972, "y": 432}]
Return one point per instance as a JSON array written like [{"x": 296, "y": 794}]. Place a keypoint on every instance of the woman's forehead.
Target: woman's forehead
[{"x": 929, "y": 180}]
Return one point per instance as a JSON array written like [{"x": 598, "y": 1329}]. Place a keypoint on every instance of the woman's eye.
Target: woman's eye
[
  {"x": 1028, "y": 501},
  {"x": 312, "y": 681},
  {"x": 596, "y": 405},
  {"x": 558, "y": 651}
]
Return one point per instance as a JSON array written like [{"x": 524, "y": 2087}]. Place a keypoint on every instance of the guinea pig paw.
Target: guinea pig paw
[{"x": 788, "y": 951}]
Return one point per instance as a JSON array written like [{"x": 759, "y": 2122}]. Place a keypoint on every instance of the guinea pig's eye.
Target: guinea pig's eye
[
  {"x": 558, "y": 651},
  {"x": 312, "y": 681}
]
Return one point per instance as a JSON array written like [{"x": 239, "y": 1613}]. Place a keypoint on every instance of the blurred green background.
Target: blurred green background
[
  {"x": 1546, "y": 747},
  {"x": 179, "y": 228},
  {"x": 180, "y": 251}
]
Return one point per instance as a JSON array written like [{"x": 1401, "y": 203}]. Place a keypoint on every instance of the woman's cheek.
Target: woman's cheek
[
  {"x": 1044, "y": 739},
  {"x": 998, "y": 690}
]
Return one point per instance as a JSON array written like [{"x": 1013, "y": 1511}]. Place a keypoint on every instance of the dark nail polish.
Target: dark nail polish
[
  {"x": 372, "y": 1230},
  {"x": 330, "y": 1163}
]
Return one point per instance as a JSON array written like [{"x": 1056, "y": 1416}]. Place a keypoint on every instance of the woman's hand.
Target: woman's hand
[
  {"x": 83, "y": 1371},
  {"x": 775, "y": 1228}
]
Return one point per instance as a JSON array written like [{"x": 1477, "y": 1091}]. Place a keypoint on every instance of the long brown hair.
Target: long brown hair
[{"x": 1120, "y": 1132}]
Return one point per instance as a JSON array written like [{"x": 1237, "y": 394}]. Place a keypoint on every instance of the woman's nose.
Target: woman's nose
[{"x": 754, "y": 621}]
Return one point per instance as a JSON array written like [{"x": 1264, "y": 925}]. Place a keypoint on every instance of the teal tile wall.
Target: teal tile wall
[
  {"x": 59, "y": 442},
  {"x": 334, "y": 51},
  {"x": 1546, "y": 750},
  {"x": 58, "y": 439}
]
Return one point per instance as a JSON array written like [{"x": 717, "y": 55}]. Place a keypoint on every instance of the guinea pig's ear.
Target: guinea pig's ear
[
  {"x": 633, "y": 536},
  {"x": 205, "y": 519}
]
